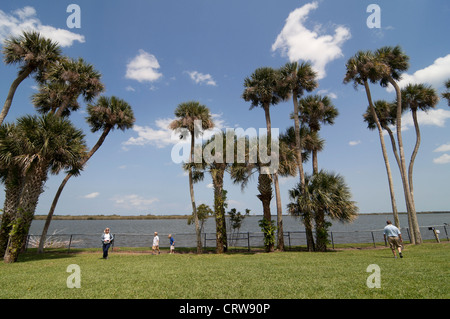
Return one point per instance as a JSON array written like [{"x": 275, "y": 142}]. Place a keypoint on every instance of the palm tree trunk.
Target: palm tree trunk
[
  {"x": 298, "y": 144},
  {"x": 321, "y": 232},
  {"x": 394, "y": 149},
  {"x": 21, "y": 222},
  {"x": 61, "y": 187},
  {"x": 191, "y": 189},
  {"x": 385, "y": 156},
  {"x": 414, "y": 154},
  {"x": 12, "y": 90},
  {"x": 221, "y": 229},
  {"x": 13, "y": 190},
  {"x": 414, "y": 226},
  {"x": 280, "y": 234},
  {"x": 265, "y": 196}
]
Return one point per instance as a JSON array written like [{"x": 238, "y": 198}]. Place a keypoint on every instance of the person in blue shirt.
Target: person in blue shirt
[
  {"x": 394, "y": 238},
  {"x": 172, "y": 244}
]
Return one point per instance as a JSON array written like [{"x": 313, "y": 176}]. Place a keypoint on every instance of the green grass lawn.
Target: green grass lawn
[{"x": 422, "y": 273}]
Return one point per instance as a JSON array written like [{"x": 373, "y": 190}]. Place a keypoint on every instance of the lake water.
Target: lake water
[{"x": 139, "y": 233}]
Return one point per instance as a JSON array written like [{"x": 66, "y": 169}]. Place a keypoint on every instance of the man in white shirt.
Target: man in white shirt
[
  {"x": 155, "y": 246},
  {"x": 394, "y": 238}
]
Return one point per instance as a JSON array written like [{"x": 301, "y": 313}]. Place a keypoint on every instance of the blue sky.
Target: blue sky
[{"x": 157, "y": 54}]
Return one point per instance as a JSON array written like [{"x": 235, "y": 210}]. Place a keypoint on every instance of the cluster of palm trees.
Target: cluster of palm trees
[
  {"x": 36, "y": 145},
  {"x": 313, "y": 198},
  {"x": 48, "y": 142},
  {"x": 385, "y": 66}
]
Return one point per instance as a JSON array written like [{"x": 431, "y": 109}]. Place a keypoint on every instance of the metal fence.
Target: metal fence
[{"x": 242, "y": 240}]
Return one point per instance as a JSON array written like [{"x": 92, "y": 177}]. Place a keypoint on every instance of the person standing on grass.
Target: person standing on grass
[
  {"x": 394, "y": 237},
  {"x": 155, "y": 246},
  {"x": 172, "y": 244},
  {"x": 107, "y": 238}
]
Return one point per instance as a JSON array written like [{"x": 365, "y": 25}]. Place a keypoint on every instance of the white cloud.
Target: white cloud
[
  {"x": 354, "y": 143},
  {"x": 130, "y": 89},
  {"x": 162, "y": 136},
  {"x": 434, "y": 117},
  {"x": 299, "y": 43},
  {"x": 133, "y": 201},
  {"x": 200, "y": 78},
  {"x": 443, "y": 159},
  {"x": 331, "y": 95},
  {"x": 143, "y": 68},
  {"x": 92, "y": 195},
  {"x": 435, "y": 74},
  {"x": 443, "y": 148},
  {"x": 25, "y": 20}
]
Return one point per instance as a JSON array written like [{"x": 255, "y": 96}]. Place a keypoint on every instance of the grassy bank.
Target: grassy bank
[{"x": 423, "y": 273}]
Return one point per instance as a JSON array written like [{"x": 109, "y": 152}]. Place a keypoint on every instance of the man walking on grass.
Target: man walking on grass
[{"x": 394, "y": 237}]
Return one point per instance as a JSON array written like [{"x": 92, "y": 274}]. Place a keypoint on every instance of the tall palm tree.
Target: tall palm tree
[
  {"x": 33, "y": 53},
  {"x": 314, "y": 111},
  {"x": 365, "y": 67},
  {"x": 242, "y": 173},
  {"x": 262, "y": 89},
  {"x": 325, "y": 192},
  {"x": 383, "y": 110},
  {"x": 63, "y": 83},
  {"x": 216, "y": 166},
  {"x": 296, "y": 79},
  {"x": 417, "y": 97},
  {"x": 107, "y": 114},
  {"x": 46, "y": 144},
  {"x": 393, "y": 62},
  {"x": 194, "y": 118}
]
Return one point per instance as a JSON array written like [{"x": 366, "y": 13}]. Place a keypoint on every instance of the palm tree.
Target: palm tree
[
  {"x": 242, "y": 173},
  {"x": 323, "y": 192},
  {"x": 296, "y": 79},
  {"x": 45, "y": 144},
  {"x": 314, "y": 111},
  {"x": 310, "y": 142},
  {"x": 383, "y": 111},
  {"x": 262, "y": 89},
  {"x": 393, "y": 62},
  {"x": 192, "y": 117},
  {"x": 417, "y": 97},
  {"x": 33, "y": 53},
  {"x": 216, "y": 166},
  {"x": 446, "y": 95},
  {"x": 107, "y": 114},
  {"x": 63, "y": 83},
  {"x": 366, "y": 66}
]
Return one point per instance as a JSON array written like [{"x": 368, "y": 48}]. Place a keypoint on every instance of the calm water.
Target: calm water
[{"x": 139, "y": 233}]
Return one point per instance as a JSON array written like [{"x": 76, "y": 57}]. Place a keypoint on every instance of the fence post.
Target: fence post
[
  {"x": 289, "y": 238},
  {"x": 373, "y": 240},
  {"x": 332, "y": 240},
  {"x": 70, "y": 243},
  {"x": 446, "y": 234},
  {"x": 248, "y": 241},
  {"x": 407, "y": 230}
]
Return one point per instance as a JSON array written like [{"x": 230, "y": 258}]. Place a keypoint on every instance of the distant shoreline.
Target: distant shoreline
[{"x": 146, "y": 217}]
